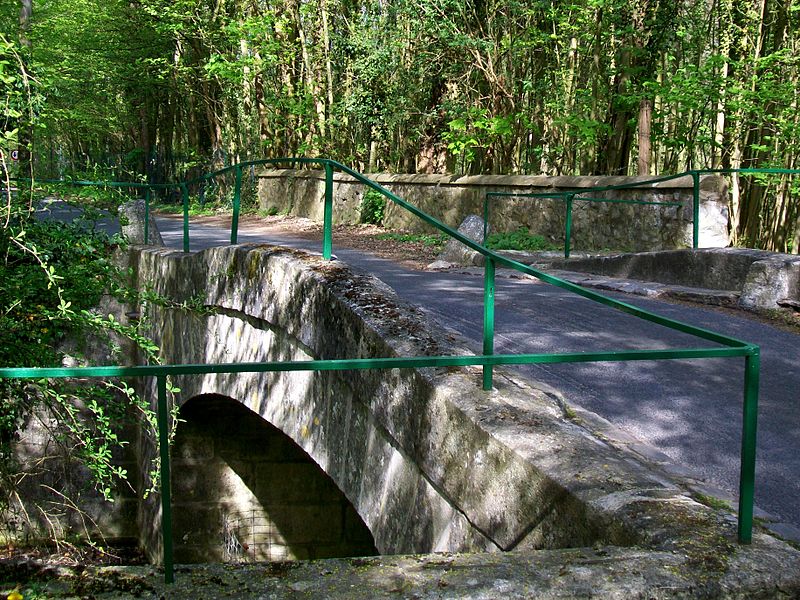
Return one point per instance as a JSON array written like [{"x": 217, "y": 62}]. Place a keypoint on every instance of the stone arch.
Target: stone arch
[{"x": 243, "y": 490}]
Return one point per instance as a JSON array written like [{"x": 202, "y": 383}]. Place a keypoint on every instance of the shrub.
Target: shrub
[
  {"x": 521, "y": 239},
  {"x": 372, "y": 208}
]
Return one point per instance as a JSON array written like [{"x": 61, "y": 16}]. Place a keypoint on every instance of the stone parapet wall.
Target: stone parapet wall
[
  {"x": 268, "y": 304},
  {"x": 450, "y": 199},
  {"x": 761, "y": 279},
  {"x": 404, "y": 446}
]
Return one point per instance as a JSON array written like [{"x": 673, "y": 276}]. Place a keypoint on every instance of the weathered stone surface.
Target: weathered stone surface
[
  {"x": 713, "y": 231},
  {"x": 771, "y": 281},
  {"x": 761, "y": 279},
  {"x": 132, "y": 217},
  {"x": 765, "y": 570},
  {"x": 456, "y": 253},
  {"x": 450, "y": 199},
  {"x": 337, "y": 434}
]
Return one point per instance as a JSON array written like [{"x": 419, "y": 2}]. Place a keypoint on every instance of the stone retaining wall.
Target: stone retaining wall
[{"x": 450, "y": 199}]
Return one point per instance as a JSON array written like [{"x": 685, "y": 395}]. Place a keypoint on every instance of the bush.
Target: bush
[
  {"x": 373, "y": 207},
  {"x": 521, "y": 239},
  {"x": 52, "y": 277}
]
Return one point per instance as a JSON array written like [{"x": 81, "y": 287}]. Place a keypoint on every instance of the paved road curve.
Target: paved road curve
[{"x": 689, "y": 410}]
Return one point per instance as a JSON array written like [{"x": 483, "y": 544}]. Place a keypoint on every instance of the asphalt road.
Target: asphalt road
[{"x": 688, "y": 409}]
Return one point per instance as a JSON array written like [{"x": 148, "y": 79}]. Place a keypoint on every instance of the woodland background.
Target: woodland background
[{"x": 161, "y": 89}]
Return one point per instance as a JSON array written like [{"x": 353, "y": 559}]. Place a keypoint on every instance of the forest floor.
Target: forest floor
[{"x": 385, "y": 243}]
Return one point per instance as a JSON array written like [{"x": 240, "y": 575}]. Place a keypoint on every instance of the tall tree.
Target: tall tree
[{"x": 25, "y": 133}]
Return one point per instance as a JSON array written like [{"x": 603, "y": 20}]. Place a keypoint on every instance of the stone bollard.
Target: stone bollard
[
  {"x": 456, "y": 253},
  {"x": 131, "y": 215}
]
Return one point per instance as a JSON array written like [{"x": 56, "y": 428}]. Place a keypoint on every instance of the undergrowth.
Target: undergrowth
[
  {"x": 436, "y": 240},
  {"x": 53, "y": 276},
  {"x": 521, "y": 239}
]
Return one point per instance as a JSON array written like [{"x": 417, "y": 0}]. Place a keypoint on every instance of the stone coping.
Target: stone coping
[
  {"x": 763, "y": 570},
  {"x": 707, "y": 182},
  {"x": 753, "y": 279}
]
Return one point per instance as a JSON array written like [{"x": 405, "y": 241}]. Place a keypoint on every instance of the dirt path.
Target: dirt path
[{"x": 368, "y": 238}]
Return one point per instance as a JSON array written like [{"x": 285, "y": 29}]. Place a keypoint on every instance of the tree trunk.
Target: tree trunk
[
  {"x": 614, "y": 149},
  {"x": 326, "y": 39},
  {"x": 25, "y": 15},
  {"x": 25, "y": 133},
  {"x": 726, "y": 36},
  {"x": 645, "y": 118},
  {"x": 311, "y": 82}
]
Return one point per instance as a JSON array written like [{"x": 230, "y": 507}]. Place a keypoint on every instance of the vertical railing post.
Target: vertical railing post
[
  {"x": 185, "y": 196},
  {"x": 695, "y": 209},
  {"x": 237, "y": 202},
  {"x": 568, "y": 226},
  {"x": 166, "y": 489},
  {"x": 327, "y": 234},
  {"x": 488, "y": 319},
  {"x": 486, "y": 217},
  {"x": 747, "y": 473},
  {"x": 147, "y": 215}
]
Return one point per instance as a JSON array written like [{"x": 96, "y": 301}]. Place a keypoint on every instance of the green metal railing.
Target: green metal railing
[
  {"x": 568, "y": 198},
  {"x": 727, "y": 347}
]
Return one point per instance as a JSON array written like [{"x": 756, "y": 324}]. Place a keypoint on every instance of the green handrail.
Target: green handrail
[
  {"x": 568, "y": 198},
  {"x": 730, "y": 347},
  {"x": 237, "y": 203},
  {"x": 574, "y": 194},
  {"x": 488, "y": 319},
  {"x": 161, "y": 372}
]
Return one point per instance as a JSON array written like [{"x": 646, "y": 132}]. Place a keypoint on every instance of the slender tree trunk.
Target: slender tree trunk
[
  {"x": 25, "y": 132},
  {"x": 725, "y": 39},
  {"x": 311, "y": 81},
  {"x": 645, "y": 118},
  {"x": 614, "y": 152},
  {"x": 25, "y": 16},
  {"x": 144, "y": 139},
  {"x": 326, "y": 39}
]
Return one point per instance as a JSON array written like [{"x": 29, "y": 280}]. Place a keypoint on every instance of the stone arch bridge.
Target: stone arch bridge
[{"x": 405, "y": 461}]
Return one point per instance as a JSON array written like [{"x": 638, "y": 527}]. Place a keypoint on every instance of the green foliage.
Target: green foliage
[
  {"x": 372, "y": 207},
  {"x": 53, "y": 277},
  {"x": 436, "y": 240},
  {"x": 521, "y": 239},
  {"x": 32, "y": 320},
  {"x": 181, "y": 87}
]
